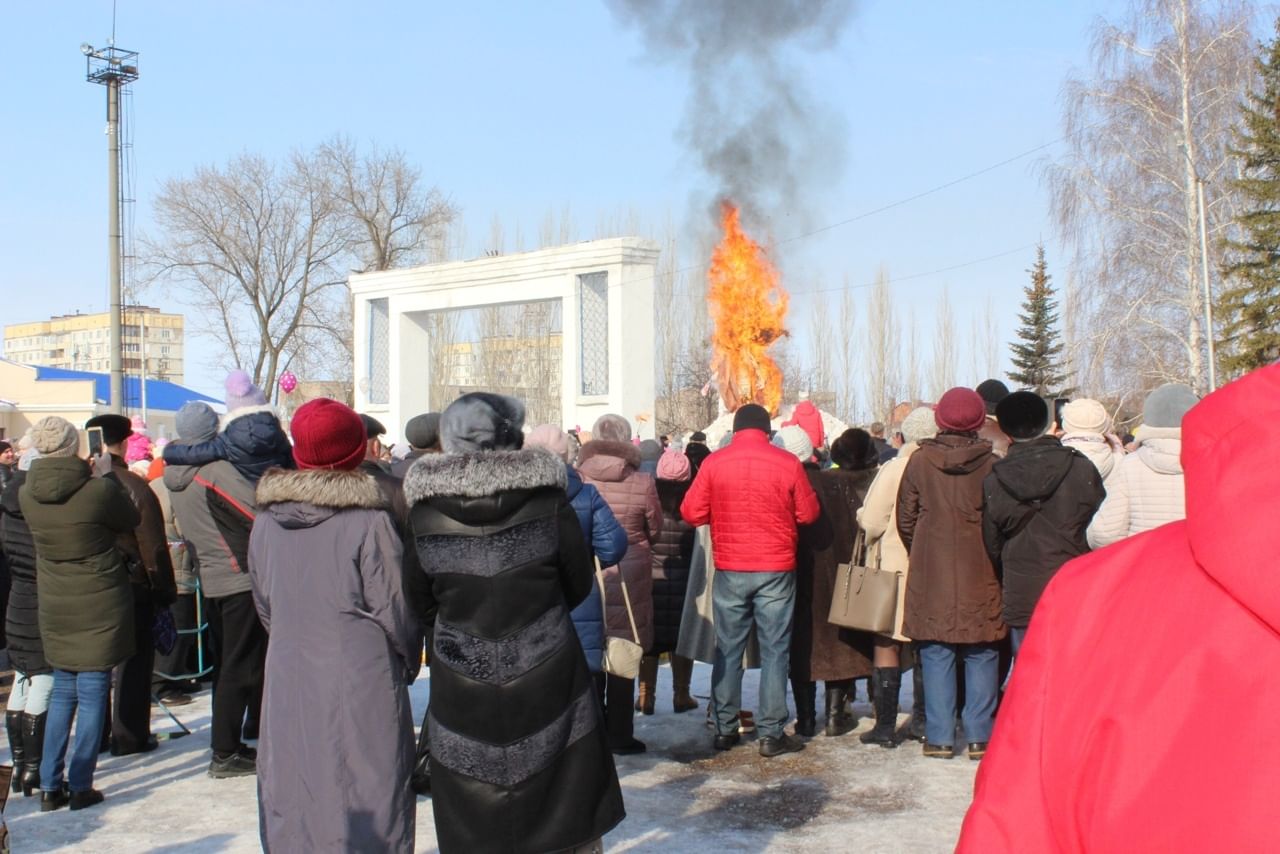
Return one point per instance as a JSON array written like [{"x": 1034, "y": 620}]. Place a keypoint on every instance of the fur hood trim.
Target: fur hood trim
[
  {"x": 321, "y": 488},
  {"x": 603, "y": 448},
  {"x": 243, "y": 411},
  {"x": 481, "y": 474}
]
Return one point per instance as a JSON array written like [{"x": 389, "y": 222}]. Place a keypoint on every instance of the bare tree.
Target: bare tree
[
  {"x": 847, "y": 371},
  {"x": 912, "y": 382},
  {"x": 1154, "y": 118},
  {"x": 883, "y": 346},
  {"x": 942, "y": 371},
  {"x": 990, "y": 339},
  {"x": 822, "y": 345},
  {"x": 259, "y": 248},
  {"x": 394, "y": 215}
]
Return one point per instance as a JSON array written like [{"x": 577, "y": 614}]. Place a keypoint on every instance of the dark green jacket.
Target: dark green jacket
[{"x": 86, "y": 604}]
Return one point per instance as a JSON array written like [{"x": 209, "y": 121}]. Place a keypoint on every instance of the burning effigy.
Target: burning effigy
[{"x": 748, "y": 307}]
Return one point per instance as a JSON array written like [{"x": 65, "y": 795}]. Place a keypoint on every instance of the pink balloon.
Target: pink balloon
[{"x": 288, "y": 382}]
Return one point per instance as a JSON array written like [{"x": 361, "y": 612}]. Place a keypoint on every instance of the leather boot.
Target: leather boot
[
  {"x": 647, "y": 694},
  {"x": 915, "y": 728},
  {"x": 681, "y": 675},
  {"x": 13, "y": 724},
  {"x": 33, "y": 740},
  {"x": 840, "y": 719},
  {"x": 806, "y": 694},
  {"x": 888, "y": 681}
]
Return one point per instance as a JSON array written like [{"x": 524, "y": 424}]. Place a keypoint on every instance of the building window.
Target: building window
[
  {"x": 379, "y": 351},
  {"x": 593, "y": 322}
]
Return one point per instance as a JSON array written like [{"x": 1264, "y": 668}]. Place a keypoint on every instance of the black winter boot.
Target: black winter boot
[
  {"x": 806, "y": 694},
  {"x": 915, "y": 728},
  {"x": 33, "y": 741},
  {"x": 888, "y": 681},
  {"x": 13, "y": 723},
  {"x": 840, "y": 719}
]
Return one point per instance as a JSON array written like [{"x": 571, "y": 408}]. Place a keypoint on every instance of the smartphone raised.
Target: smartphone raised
[{"x": 95, "y": 441}]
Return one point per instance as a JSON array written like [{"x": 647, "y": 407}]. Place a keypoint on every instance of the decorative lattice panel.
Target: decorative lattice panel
[
  {"x": 379, "y": 351},
  {"x": 593, "y": 306}
]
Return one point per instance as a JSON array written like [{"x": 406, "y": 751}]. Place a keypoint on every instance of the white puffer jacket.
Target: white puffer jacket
[
  {"x": 1145, "y": 491},
  {"x": 1100, "y": 452}
]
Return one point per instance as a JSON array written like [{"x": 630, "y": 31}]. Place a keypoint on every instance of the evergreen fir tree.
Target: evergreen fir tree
[
  {"x": 1250, "y": 307},
  {"x": 1037, "y": 355}
]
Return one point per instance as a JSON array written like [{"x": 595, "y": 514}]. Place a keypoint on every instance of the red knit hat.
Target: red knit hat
[
  {"x": 327, "y": 435},
  {"x": 961, "y": 410}
]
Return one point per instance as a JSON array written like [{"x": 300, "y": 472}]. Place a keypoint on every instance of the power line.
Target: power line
[{"x": 899, "y": 203}]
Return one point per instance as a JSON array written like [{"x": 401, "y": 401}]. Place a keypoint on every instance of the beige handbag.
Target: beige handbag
[
  {"x": 866, "y": 597},
  {"x": 621, "y": 657}
]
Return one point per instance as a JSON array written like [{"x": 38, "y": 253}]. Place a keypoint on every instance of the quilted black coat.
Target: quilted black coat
[
  {"x": 22, "y": 622},
  {"x": 672, "y": 557},
  {"x": 519, "y": 757}
]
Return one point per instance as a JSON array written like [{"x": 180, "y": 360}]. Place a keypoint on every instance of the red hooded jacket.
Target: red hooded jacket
[
  {"x": 753, "y": 495},
  {"x": 807, "y": 417},
  {"x": 1141, "y": 706}
]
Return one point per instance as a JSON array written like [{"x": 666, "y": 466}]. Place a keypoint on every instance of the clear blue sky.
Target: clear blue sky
[{"x": 515, "y": 108}]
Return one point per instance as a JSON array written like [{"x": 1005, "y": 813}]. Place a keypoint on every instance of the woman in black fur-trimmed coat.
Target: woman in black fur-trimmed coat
[{"x": 520, "y": 762}]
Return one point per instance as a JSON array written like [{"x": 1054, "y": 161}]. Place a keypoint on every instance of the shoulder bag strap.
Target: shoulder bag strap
[{"x": 626, "y": 598}]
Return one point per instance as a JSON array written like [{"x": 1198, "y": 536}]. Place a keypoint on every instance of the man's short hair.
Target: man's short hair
[{"x": 876, "y": 428}]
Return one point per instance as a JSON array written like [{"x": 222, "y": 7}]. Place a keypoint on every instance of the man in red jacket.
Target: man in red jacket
[
  {"x": 1098, "y": 747},
  {"x": 754, "y": 496}
]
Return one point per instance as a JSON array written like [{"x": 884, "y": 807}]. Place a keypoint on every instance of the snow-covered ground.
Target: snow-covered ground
[{"x": 837, "y": 795}]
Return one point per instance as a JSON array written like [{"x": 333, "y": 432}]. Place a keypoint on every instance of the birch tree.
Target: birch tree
[{"x": 1152, "y": 119}]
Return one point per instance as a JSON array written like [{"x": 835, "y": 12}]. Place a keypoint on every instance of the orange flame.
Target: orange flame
[{"x": 748, "y": 306}]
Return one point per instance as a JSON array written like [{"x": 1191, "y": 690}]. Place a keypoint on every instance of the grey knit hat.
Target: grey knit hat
[
  {"x": 55, "y": 437},
  {"x": 481, "y": 421},
  {"x": 1166, "y": 405},
  {"x": 196, "y": 422},
  {"x": 612, "y": 428}
]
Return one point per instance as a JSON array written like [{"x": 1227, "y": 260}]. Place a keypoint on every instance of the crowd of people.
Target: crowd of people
[{"x": 514, "y": 559}]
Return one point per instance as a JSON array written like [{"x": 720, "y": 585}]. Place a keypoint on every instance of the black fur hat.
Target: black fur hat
[{"x": 1023, "y": 416}]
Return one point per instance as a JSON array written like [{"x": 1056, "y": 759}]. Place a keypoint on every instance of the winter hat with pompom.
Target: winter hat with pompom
[
  {"x": 551, "y": 438},
  {"x": 327, "y": 435},
  {"x": 673, "y": 465},
  {"x": 242, "y": 393},
  {"x": 919, "y": 425},
  {"x": 1085, "y": 416},
  {"x": 961, "y": 410}
]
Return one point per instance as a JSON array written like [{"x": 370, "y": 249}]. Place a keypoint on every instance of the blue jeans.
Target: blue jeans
[
  {"x": 740, "y": 598},
  {"x": 84, "y": 697},
  {"x": 981, "y": 686},
  {"x": 1017, "y": 636}
]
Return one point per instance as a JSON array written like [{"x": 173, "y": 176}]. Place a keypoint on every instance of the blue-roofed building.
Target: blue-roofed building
[{"x": 29, "y": 393}]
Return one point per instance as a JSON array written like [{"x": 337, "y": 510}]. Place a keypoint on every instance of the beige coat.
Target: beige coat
[{"x": 878, "y": 517}]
